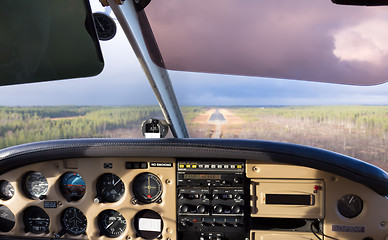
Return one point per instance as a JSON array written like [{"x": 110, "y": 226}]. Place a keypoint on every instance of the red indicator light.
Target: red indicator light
[
  {"x": 194, "y": 220},
  {"x": 149, "y": 196},
  {"x": 316, "y": 188}
]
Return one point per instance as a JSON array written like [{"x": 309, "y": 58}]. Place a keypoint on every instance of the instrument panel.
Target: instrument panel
[
  {"x": 91, "y": 199},
  {"x": 183, "y": 198}
]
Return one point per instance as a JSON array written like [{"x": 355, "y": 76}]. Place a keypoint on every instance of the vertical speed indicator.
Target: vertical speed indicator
[{"x": 147, "y": 187}]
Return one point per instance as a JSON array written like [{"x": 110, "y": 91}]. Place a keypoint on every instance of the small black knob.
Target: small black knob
[
  {"x": 218, "y": 209},
  {"x": 236, "y": 180},
  {"x": 238, "y": 196},
  {"x": 236, "y": 209},
  {"x": 181, "y": 196},
  {"x": 204, "y": 197},
  {"x": 184, "y": 208},
  {"x": 201, "y": 208},
  {"x": 215, "y": 196}
]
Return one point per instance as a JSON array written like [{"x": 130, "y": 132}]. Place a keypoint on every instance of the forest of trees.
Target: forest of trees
[
  {"x": 30, "y": 124},
  {"x": 358, "y": 131}
]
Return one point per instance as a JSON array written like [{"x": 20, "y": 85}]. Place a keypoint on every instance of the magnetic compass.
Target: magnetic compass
[{"x": 105, "y": 26}]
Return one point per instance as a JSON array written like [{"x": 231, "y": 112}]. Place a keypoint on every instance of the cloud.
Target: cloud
[
  {"x": 364, "y": 42},
  {"x": 217, "y": 89},
  {"x": 301, "y": 39}
]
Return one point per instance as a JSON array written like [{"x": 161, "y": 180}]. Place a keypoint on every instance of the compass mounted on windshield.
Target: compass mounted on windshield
[{"x": 105, "y": 26}]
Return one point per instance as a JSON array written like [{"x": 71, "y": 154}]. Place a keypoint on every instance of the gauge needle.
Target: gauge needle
[
  {"x": 110, "y": 224},
  {"x": 351, "y": 199},
  {"x": 101, "y": 26},
  {"x": 114, "y": 184}
]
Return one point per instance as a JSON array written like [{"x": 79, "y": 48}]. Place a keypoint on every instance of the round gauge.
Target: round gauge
[
  {"x": 35, "y": 185},
  {"x": 111, "y": 223},
  {"x": 6, "y": 190},
  {"x": 105, "y": 26},
  {"x": 350, "y": 206},
  {"x": 7, "y": 219},
  {"x": 110, "y": 188},
  {"x": 36, "y": 220},
  {"x": 73, "y": 221},
  {"x": 72, "y": 186},
  {"x": 148, "y": 224},
  {"x": 147, "y": 187}
]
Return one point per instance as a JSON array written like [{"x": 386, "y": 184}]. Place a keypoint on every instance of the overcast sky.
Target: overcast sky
[{"x": 123, "y": 83}]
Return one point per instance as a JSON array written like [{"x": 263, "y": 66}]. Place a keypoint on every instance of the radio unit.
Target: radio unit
[
  {"x": 287, "y": 198},
  {"x": 211, "y": 200}
]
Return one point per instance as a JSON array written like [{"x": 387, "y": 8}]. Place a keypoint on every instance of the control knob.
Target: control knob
[
  {"x": 238, "y": 196},
  {"x": 218, "y": 209},
  {"x": 236, "y": 209},
  {"x": 201, "y": 208},
  {"x": 184, "y": 208}
]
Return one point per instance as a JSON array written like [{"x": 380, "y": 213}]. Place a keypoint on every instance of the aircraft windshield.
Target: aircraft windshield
[
  {"x": 300, "y": 39},
  {"x": 348, "y": 119}
]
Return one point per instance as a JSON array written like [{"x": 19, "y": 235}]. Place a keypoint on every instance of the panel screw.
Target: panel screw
[
  {"x": 168, "y": 181},
  {"x": 255, "y": 169},
  {"x": 383, "y": 224},
  {"x": 134, "y": 201}
]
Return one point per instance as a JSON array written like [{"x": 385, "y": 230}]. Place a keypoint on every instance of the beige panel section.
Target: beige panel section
[
  {"x": 278, "y": 235},
  {"x": 261, "y": 187},
  {"x": 90, "y": 169},
  {"x": 374, "y": 216}
]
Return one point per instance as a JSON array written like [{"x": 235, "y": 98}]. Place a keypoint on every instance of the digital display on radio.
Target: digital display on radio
[
  {"x": 202, "y": 176},
  {"x": 289, "y": 199}
]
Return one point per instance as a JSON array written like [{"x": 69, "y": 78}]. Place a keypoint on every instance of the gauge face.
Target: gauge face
[
  {"x": 6, "y": 190},
  {"x": 111, "y": 223},
  {"x": 147, "y": 187},
  {"x": 35, "y": 185},
  {"x": 7, "y": 219},
  {"x": 350, "y": 206},
  {"x": 148, "y": 224},
  {"x": 36, "y": 220},
  {"x": 74, "y": 221},
  {"x": 105, "y": 26},
  {"x": 110, "y": 188},
  {"x": 72, "y": 186}
]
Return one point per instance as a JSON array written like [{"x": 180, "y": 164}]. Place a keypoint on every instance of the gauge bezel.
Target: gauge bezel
[
  {"x": 65, "y": 225},
  {"x": 102, "y": 224},
  {"x": 35, "y": 210},
  {"x": 138, "y": 182},
  {"x": 63, "y": 186},
  {"x": 344, "y": 206},
  {"x": 101, "y": 194},
  {"x": 7, "y": 219},
  {"x": 110, "y": 29},
  {"x": 3, "y": 185},
  {"x": 150, "y": 214},
  {"x": 28, "y": 189}
]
